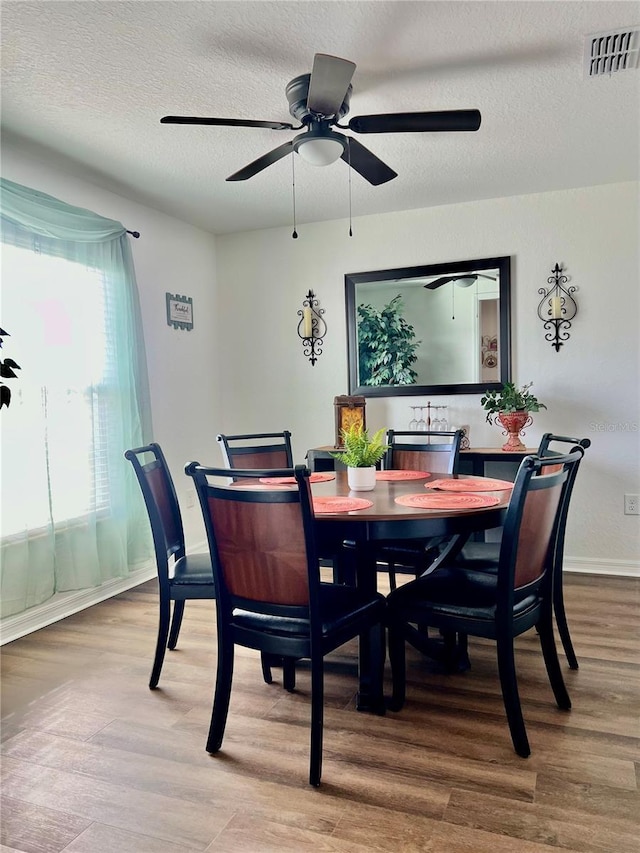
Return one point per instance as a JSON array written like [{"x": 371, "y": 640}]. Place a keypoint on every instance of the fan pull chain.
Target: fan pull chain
[
  {"x": 349, "y": 163},
  {"x": 453, "y": 300},
  {"x": 293, "y": 175}
]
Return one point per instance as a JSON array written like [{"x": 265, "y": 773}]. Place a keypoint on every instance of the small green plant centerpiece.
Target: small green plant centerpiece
[
  {"x": 511, "y": 407},
  {"x": 361, "y": 454}
]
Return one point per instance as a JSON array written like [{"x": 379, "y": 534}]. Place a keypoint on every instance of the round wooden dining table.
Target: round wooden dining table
[
  {"x": 388, "y": 519},
  {"x": 386, "y": 516},
  {"x": 382, "y": 514}
]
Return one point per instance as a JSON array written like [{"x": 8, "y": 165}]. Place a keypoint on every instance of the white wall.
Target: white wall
[
  {"x": 183, "y": 366},
  {"x": 590, "y": 386}
]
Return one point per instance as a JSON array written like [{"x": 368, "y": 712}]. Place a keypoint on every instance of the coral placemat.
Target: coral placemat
[
  {"x": 334, "y": 503},
  {"x": 470, "y": 484},
  {"x": 447, "y": 501},
  {"x": 316, "y": 477},
  {"x": 402, "y": 475}
]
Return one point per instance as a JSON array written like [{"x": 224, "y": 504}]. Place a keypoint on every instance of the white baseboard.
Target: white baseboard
[
  {"x": 596, "y": 566},
  {"x": 63, "y": 604}
]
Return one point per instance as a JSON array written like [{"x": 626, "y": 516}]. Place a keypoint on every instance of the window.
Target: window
[
  {"x": 72, "y": 515},
  {"x": 58, "y": 422}
]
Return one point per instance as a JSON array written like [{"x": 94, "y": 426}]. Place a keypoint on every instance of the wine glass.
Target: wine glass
[
  {"x": 413, "y": 423},
  {"x": 422, "y": 424},
  {"x": 444, "y": 423}
]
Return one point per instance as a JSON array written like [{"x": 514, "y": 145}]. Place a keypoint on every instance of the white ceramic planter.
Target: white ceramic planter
[{"x": 361, "y": 479}]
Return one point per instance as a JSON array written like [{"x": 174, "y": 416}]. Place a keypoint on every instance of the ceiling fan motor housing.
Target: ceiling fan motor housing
[{"x": 297, "y": 92}]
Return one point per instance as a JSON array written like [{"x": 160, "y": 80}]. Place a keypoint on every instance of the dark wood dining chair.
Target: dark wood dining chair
[
  {"x": 436, "y": 453},
  {"x": 262, "y": 450},
  {"x": 484, "y": 556},
  {"x": 497, "y": 606},
  {"x": 180, "y": 576},
  {"x": 257, "y": 450},
  {"x": 270, "y": 596}
]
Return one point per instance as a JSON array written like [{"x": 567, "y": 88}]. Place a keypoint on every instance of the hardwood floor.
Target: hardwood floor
[{"x": 95, "y": 762}]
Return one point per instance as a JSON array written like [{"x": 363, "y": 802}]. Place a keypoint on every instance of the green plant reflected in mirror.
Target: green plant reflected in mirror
[{"x": 435, "y": 329}]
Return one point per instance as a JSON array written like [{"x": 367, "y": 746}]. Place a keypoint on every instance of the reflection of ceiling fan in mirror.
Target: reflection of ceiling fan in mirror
[
  {"x": 465, "y": 280},
  {"x": 319, "y": 100}
]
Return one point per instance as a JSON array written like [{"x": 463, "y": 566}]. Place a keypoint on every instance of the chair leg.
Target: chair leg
[
  {"x": 317, "y": 719},
  {"x": 222, "y": 695},
  {"x": 511, "y": 697},
  {"x": 398, "y": 665},
  {"x": 161, "y": 642},
  {"x": 392, "y": 578},
  {"x": 176, "y": 622},
  {"x": 266, "y": 660},
  {"x": 552, "y": 663},
  {"x": 561, "y": 621},
  {"x": 289, "y": 674}
]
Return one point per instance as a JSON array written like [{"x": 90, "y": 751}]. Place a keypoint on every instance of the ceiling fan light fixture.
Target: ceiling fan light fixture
[
  {"x": 466, "y": 280},
  {"x": 320, "y": 151}
]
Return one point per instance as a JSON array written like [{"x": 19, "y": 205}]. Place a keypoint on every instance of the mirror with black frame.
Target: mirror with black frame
[{"x": 436, "y": 329}]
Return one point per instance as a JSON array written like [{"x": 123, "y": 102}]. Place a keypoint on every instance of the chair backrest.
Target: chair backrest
[
  {"x": 436, "y": 452},
  {"x": 531, "y": 525},
  {"x": 257, "y": 450},
  {"x": 261, "y": 539},
  {"x": 161, "y": 501},
  {"x": 546, "y": 448}
]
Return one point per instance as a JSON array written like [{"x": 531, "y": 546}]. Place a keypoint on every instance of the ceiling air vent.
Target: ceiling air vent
[{"x": 607, "y": 53}]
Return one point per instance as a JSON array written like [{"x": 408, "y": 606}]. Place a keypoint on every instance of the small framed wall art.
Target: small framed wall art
[{"x": 179, "y": 311}]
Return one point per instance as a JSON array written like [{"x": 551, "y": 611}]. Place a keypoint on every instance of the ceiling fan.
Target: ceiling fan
[
  {"x": 463, "y": 280},
  {"x": 318, "y": 101}
]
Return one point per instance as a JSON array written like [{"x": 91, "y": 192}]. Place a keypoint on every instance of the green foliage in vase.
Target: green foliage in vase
[
  {"x": 510, "y": 399},
  {"x": 360, "y": 450},
  {"x": 386, "y": 345},
  {"x": 7, "y": 368}
]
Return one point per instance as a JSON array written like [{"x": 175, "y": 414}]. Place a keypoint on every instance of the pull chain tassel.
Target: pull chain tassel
[
  {"x": 349, "y": 163},
  {"x": 293, "y": 178}
]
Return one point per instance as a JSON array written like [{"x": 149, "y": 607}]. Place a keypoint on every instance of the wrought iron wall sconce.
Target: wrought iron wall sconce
[
  {"x": 557, "y": 308},
  {"x": 311, "y": 327}
]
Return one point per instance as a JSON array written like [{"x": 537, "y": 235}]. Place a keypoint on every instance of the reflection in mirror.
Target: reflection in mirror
[{"x": 437, "y": 329}]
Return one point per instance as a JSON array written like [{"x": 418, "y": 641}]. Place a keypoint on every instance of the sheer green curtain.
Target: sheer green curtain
[{"x": 71, "y": 514}]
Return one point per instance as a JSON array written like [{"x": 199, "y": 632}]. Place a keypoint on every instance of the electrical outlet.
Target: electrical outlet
[
  {"x": 632, "y": 504},
  {"x": 190, "y": 498}
]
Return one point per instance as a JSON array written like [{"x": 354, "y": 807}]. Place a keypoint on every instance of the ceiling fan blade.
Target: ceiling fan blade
[
  {"x": 367, "y": 164},
  {"x": 417, "y": 122},
  {"x": 227, "y": 122},
  {"x": 474, "y": 276},
  {"x": 262, "y": 162},
  {"x": 330, "y": 79},
  {"x": 439, "y": 281}
]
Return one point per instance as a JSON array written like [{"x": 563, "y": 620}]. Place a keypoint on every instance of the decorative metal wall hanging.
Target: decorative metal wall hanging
[
  {"x": 557, "y": 308},
  {"x": 311, "y": 327},
  {"x": 179, "y": 311}
]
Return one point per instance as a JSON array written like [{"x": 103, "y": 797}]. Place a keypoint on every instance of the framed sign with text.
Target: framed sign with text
[{"x": 179, "y": 311}]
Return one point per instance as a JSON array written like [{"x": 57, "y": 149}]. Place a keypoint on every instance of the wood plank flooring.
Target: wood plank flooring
[{"x": 95, "y": 762}]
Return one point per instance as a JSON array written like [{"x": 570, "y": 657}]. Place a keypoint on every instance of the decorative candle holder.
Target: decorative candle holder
[
  {"x": 311, "y": 327},
  {"x": 557, "y": 308}
]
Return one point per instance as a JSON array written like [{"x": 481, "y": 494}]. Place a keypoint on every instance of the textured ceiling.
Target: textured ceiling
[{"x": 89, "y": 81}]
